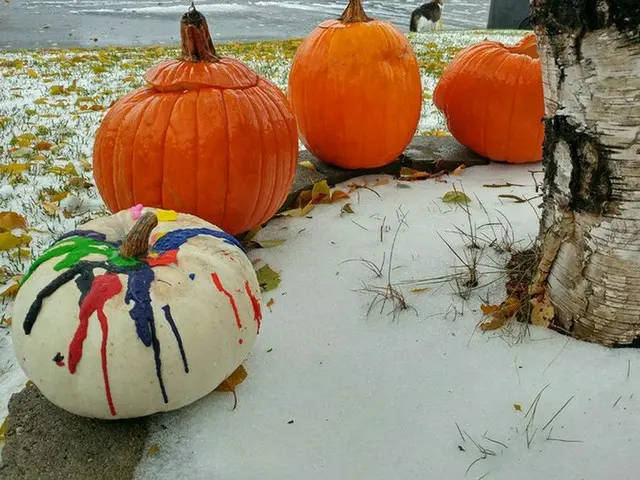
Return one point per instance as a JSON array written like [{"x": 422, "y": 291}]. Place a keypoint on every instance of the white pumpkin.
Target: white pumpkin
[{"x": 114, "y": 321}]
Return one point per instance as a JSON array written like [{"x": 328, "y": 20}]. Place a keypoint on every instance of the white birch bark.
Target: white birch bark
[{"x": 590, "y": 230}]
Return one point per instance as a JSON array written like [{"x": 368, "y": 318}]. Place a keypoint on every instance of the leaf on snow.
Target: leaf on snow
[
  {"x": 407, "y": 173},
  {"x": 454, "y": 196},
  {"x": 153, "y": 450},
  {"x": 267, "y": 278},
  {"x": 9, "y": 241},
  {"x": 12, "y": 220},
  {"x": 230, "y": 383},
  {"x": 307, "y": 164},
  {"x": 500, "y": 314},
  {"x": 269, "y": 243}
]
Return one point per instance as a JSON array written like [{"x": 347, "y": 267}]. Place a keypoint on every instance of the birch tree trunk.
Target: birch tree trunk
[{"x": 590, "y": 227}]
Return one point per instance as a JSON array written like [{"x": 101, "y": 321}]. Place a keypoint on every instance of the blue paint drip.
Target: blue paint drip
[
  {"x": 156, "y": 357},
  {"x": 138, "y": 290},
  {"x": 99, "y": 236},
  {"x": 176, "y": 333},
  {"x": 192, "y": 276},
  {"x": 175, "y": 239}
]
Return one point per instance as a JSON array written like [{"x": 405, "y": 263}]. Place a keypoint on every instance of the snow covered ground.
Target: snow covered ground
[{"x": 333, "y": 392}]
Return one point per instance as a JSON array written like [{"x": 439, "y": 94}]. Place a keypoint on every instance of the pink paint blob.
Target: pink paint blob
[{"x": 136, "y": 211}]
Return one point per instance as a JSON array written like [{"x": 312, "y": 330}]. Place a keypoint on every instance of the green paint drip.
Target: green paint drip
[{"x": 75, "y": 249}]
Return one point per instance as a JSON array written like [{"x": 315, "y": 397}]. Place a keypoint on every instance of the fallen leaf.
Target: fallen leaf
[
  {"x": 153, "y": 450},
  {"x": 346, "y": 208},
  {"x": 269, "y": 243},
  {"x": 270, "y": 303},
  {"x": 459, "y": 170},
  {"x": 9, "y": 241},
  {"x": 500, "y": 314},
  {"x": 32, "y": 73},
  {"x": 321, "y": 192},
  {"x": 23, "y": 140},
  {"x": 419, "y": 290},
  {"x": 407, "y": 173},
  {"x": 542, "y": 311},
  {"x": 297, "y": 212},
  {"x": 79, "y": 182},
  {"x": 338, "y": 195},
  {"x": 307, "y": 164},
  {"x": 42, "y": 145},
  {"x": 454, "y": 196},
  {"x": 267, "y": 278},
  {"x": 518, "y": 407},
  {"x": 380, "y": 181},
  {"x": 7, "y": 321},
  {"x": 21, "y": 152},
  {"x": 12, "y": 220},
  {"x": 50, "y": 208},
  {"x": 4, "y": 428},
  {"x": 14, "y": 168},
  {"x": 59, "y": 196},
  {"x": 250, "y": 234},
  {"x": 230, "y": 383},
  {"x": 10, "y": 290}
]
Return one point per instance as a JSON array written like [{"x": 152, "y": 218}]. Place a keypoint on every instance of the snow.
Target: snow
[{"x": 334, "y": 393}]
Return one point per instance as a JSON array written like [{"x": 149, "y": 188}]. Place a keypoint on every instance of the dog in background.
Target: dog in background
[{"x": 426, "y": 14}]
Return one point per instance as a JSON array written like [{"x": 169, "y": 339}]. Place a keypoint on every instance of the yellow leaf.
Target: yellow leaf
[
  {"x": 25, "y": 139},
  {"x": 68, "y": 169},
  {"x": 420, "y": 290},
  {"x": 166, "y": 215},
  {"x": 459, "y": 170},
  {"x": 4, "y": 428},
  {"x": 270, "y": 303},
  {"x": 11, "y": 220},
  {"x": 128, "y": 79},
  {"x": 542, "y": 311},
  {"x": 40, "y": 101},
  {"x": 297, "y": 212},
  {"x": 14, "y": 168},
  {"x": 407, "y": 173},
  {"x": 9, "y": 241},
  {"x": 500, "y": 314},
  {"x": 79, "y": 182},
  {"x": 50, "y": 208},
  {"x": 321, "y": 193},
  {"x": 267, "y": 278},
  {"x": 86, "y": 164},
  {"x": 7, "y": 321},
  {"x": 153, "y": 450},
  {"x": 307, "y": 164},
  {"x": 59, "y": 196},
  {"x": 57, "y": 90},
  {"x": 9, "y": 290},
  {"x": 455, "y": 196},
  {"x": 21, "y": 253},
  {"x": 32, "y": 73},
  {"x": 233, "y": 380},
  {"x": 518, "y": 407},
  {"x": 346, "y": 208}
]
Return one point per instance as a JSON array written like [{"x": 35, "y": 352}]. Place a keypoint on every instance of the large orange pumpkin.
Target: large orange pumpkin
[
  {"x": 491, "y": 96},
  {"x": 356, "y": 91},
  {"x": 208, "y": 137}
]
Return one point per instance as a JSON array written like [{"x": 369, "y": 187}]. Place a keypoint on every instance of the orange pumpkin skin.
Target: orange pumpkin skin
[
  {"x": 492, "y": 98},
  {"x": 208, "y": 138},
  {"x": 356, "y": 92}
]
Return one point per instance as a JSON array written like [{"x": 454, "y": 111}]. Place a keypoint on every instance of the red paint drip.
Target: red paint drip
[
  {"x": 218, "y": 284},
  {"x": 60, "y": 363},
  {"x": 102, "y": 289},
  {"x": 257, "y": 312},
  {"x": 240, "y": 341},
  {"x": 166, "y": 258}
]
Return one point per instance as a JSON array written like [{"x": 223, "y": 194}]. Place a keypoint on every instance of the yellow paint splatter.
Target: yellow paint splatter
[{"x": 166, "y": 215}]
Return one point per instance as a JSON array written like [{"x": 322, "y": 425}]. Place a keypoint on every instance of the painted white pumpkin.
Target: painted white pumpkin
[{"x": 114, "y": 321}]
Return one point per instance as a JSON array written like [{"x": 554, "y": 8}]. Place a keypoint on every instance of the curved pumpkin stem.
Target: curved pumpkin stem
[
  {"x": 137, "y": 242},
  {"x": 197, "y": 45},
  {"x": 354, "y": 13}
]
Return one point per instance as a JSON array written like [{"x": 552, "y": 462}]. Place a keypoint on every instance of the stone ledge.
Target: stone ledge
[{"x": 425, "y": 153}]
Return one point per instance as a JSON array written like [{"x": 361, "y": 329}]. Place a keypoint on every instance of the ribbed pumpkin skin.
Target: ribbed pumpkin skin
[
  {"x": 356, "y": 92},
  {"x": 213, "y": 140},
  {"x": 492, "y": 98}
]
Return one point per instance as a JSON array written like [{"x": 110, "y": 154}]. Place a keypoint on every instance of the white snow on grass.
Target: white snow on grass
[{"x": 333, "y": 392}]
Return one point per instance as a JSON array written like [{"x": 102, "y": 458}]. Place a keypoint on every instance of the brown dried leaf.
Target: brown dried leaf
[
  {"x": 542, "y": 311},
  {"x": 232, "y": 381},
  {"x": 11, "y": 220}
]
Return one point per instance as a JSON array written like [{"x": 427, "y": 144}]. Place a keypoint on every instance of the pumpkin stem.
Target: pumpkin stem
[
  {"x": 197, "y": 45},
  {"x": 137, "y": 242},
  {"x": 354, "y": 13}
]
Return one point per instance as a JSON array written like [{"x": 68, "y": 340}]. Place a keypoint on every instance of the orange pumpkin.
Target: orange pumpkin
[
  {"x": 491, "y": 96},
  {"x": 356, "y": 91},
  {"x": 208, "y": 137}
]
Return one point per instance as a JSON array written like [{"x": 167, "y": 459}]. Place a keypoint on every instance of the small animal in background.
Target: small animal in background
[{"x": 428, "y": 13}]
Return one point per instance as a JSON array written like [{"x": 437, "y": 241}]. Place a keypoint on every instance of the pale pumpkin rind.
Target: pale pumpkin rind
[{"x": 110, "y": 337}]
